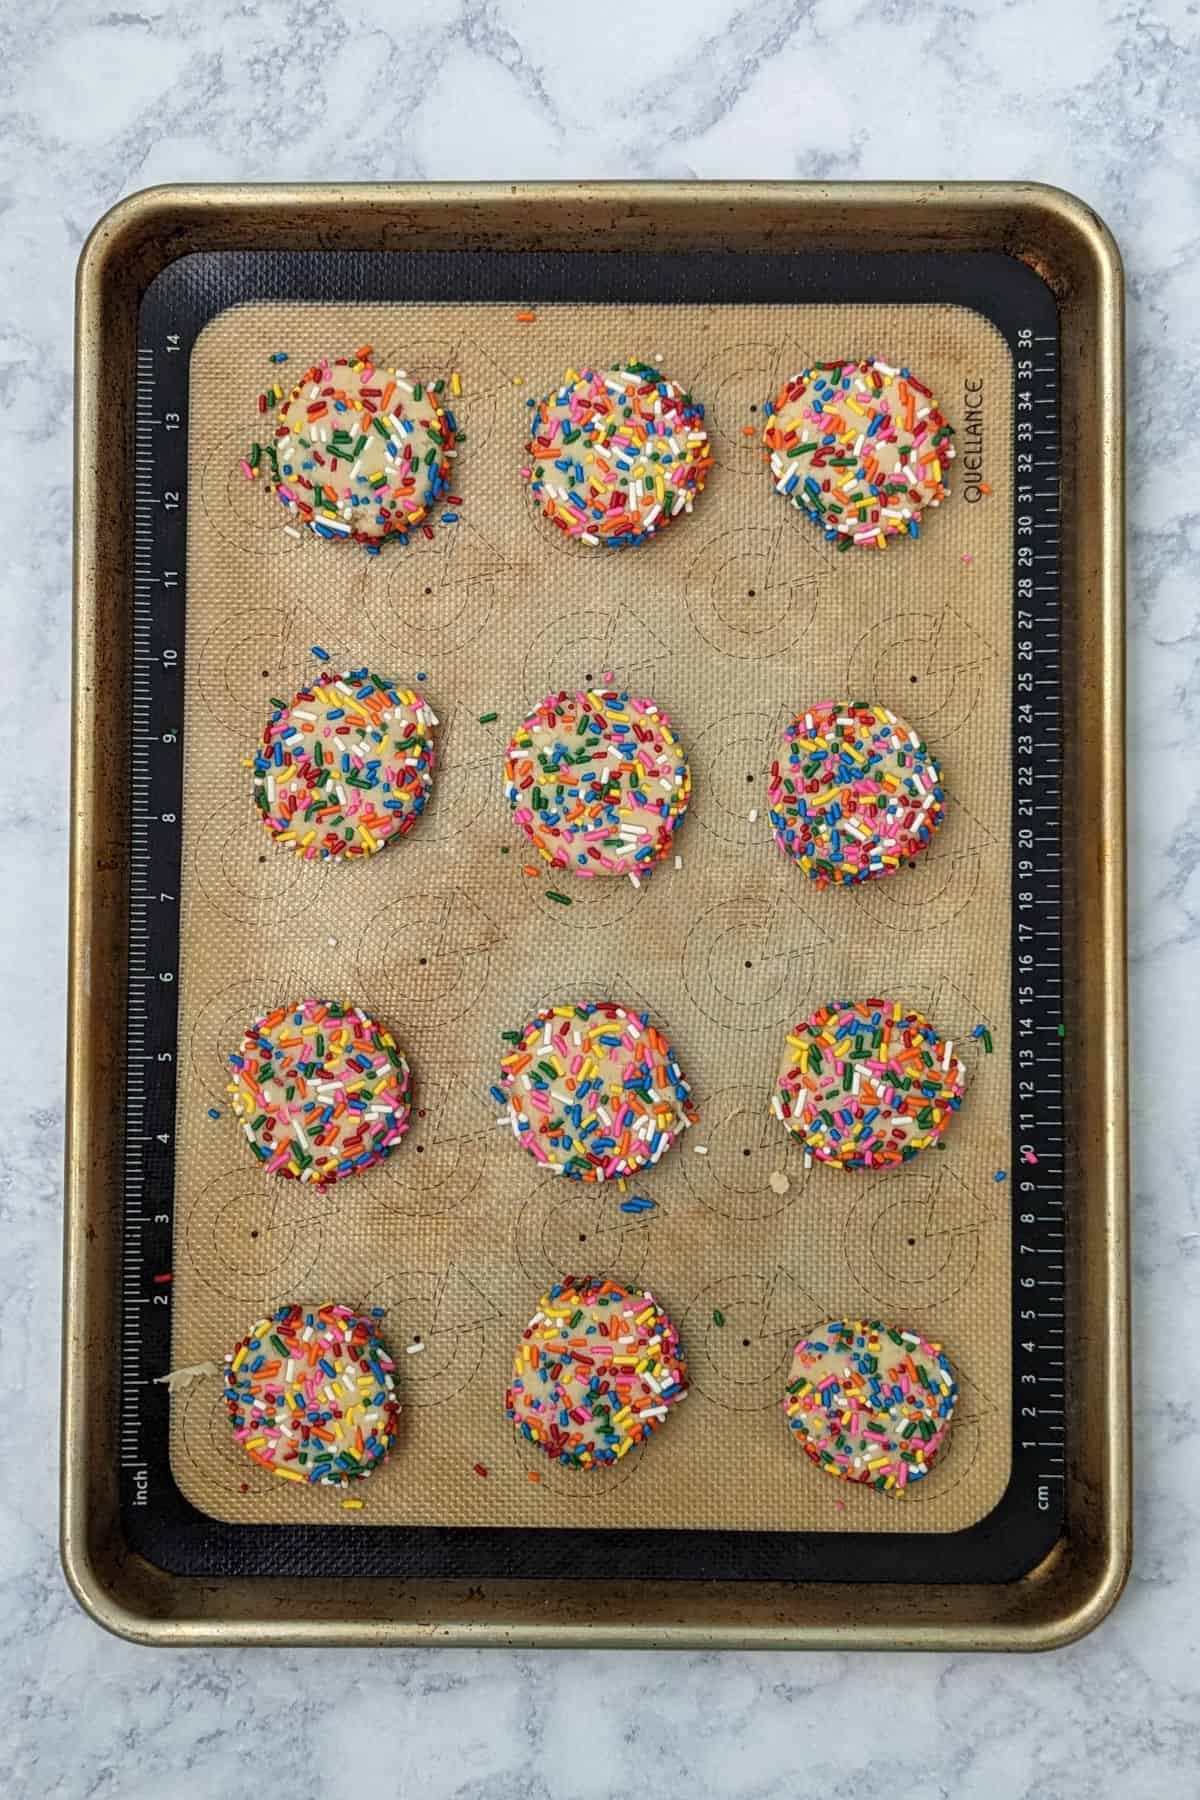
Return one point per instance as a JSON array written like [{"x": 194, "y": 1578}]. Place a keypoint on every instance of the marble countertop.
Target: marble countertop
[{"x": 1103, "y": 100}]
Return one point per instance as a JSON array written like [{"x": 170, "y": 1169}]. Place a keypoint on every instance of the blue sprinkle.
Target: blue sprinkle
[
  {"x": 213, "y": 1113},
  {"x": 321, "y": 655},
  {"x": 1000, "y": 1175}
]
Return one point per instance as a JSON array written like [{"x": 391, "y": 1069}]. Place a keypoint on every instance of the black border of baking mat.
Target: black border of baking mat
[{"x": 159, "y": 1522}]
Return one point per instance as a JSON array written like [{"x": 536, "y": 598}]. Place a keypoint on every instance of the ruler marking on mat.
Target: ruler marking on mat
[
  {"x": 156, "y": 785},
  {"x": 1038, "y": 1023}
]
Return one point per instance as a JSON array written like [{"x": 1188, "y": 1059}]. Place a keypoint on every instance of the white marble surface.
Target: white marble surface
[{"x": 1102, "y": 99}]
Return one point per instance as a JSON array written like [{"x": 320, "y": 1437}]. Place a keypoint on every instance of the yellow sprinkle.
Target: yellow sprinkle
[
  {"x": 456, "y": 383},
  {"x": 352, "y": 1505},
  {"x": 290, "y": 1475}
]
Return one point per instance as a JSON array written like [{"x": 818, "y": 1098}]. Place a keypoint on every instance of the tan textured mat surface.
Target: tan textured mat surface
[{"x": 732, "y": 620}]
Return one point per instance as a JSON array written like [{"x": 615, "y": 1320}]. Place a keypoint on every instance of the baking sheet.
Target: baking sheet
[{"x": 734, "y": 619}]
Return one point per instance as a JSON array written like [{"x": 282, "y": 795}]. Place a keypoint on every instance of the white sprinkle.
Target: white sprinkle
[
  {"x": 700, "y": 1149},
  {"x": 778, "y": 1182},
  {"x": 332, "y": 942},
  {"x": 679, "y": 862},
  {"x": 752, "y": 815},
  {"x": 412, "y": 1349}
]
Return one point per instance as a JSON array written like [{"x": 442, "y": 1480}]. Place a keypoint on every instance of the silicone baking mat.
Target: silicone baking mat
[{"x": 732, "y": 620}]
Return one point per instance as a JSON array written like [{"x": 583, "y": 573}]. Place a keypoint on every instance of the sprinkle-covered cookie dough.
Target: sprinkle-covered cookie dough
[
  {"x": 355, "y": 450},
  {"x": 594, "y": 1091},
  {"x": 869, "y": 1403},
  {"x": 321, "y": 1090},
  {"x": 310, "y": 1394},
  {"x": 598, "y": 782},
  {"x": 861, "y": 447},
  {"x": 854, "y": 793},
  {"x": 615, "y": 455},
  {"x": 867, "y": 1084},
  {"x": 347, "y": 767},
  {"x": 596, "y": 1371}
]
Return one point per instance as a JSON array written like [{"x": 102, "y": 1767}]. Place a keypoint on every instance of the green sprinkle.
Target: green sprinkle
[
  {"x": 488, "y": 718},
  {"x": 718, "y": 1316},
  {"x": 562, "y": 899}
]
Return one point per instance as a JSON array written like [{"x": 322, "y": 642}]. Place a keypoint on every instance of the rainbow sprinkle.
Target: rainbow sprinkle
[
  {"x": 357, "y": 452},
  {"x": 854, "y": 793},
  {"x": 594, "y": 1092},
  {"x": 866, "y": 1085},
  {"x": 598, "y": 782},
  {"x": 615, "y": 456},
  {"x": 596, "y": 1371},
  {"x": 869, "y": 1403},
  {"x": 310, "y": 1394},
  {"x": 861, "y": 448},
  {"x": 321, "y": 1090},
  {"x": 346, "y": 767}
]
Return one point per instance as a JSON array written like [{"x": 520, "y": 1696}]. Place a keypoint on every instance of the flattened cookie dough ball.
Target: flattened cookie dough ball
[
  {"x": 321, "y": 1090},
  {"x": 346, "y": 768},
  {"x": 597, "y": 1370},
  {"x": 616, "y": 455},
  {"x": 867, "y": 1084},
  {"x": 861, "y": 447},
  {"x": 598, "y": 782},
  {"x": 869, "y": 1403},
  {"x": 310, "y": 1394},
  {"x": 854, "y": 793},
  {"x": 356, "y": 450},
  {"x": 594, "y": 1092}
]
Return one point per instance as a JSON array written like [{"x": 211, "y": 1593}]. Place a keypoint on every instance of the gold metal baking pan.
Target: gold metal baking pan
[{"x": 681, "y": 1591}]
